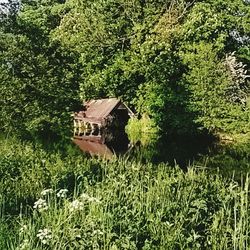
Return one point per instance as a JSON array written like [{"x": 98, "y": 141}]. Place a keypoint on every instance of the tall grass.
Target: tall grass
[{"x": 118, "y": 204}]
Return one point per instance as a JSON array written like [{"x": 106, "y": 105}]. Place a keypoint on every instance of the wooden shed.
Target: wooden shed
[{"x": 99, "y": 114}]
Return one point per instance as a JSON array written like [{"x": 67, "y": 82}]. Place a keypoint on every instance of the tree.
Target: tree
[
  {"x": 171, "y": 60},
  {"x": 208, "y": 37},
  {"x": 39, "y": 79}
]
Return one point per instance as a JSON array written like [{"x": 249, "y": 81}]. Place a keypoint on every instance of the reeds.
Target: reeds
[{"x": 65, "y": 202}]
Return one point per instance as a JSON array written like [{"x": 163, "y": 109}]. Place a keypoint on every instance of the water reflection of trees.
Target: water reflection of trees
[{"x": 180, "y": 150}]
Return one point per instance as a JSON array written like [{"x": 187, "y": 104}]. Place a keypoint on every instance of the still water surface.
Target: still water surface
[{"x": 179, "y": 150}]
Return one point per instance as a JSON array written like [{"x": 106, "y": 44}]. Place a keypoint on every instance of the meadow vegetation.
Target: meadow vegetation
[
  {"x": 63, "y": 200},
  {"x": 184, "y": 64}
]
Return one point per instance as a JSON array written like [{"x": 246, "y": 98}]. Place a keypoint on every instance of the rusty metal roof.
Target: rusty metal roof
[{"x": 100, "y": 108}]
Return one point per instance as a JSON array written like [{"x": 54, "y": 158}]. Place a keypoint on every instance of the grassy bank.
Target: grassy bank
[{"x": 62, "y": 200}]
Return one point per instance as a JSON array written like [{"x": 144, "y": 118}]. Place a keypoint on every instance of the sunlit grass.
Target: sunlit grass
[{"x": 55, "y": 201}]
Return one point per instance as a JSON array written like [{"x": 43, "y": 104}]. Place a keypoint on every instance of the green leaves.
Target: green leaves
[
  {"x": 39, "y": 80},
  {"x": 209, "y": 33},
  {"x": 168, "y": 60},
  {"x": 208, "y": 82}
]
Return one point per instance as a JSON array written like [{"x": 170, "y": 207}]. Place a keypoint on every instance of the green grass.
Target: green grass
[{"x": 117, "y": 204}]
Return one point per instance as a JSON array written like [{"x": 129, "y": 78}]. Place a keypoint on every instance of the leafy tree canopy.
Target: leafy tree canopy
[{"x": 183, "y": 63}]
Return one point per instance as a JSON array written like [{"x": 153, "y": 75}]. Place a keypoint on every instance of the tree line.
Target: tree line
[{"x": 182, "y": 63}]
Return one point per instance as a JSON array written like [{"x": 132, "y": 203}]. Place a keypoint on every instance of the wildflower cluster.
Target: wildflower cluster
[
  {"x": 76, "y": 205},
  {"x": 97, "y": 232},
  {"x": 86, "y": 197},
  {"x": 40, "y": 205},
  {"x": 23, "y": 229},
  {"x": 25, "y": 245},
  {"x": 44, "y": 235},
  {"x": 76, "y": 232},
  {"x": 46, "y": 192},
  {"x": 62, "y": 193}
]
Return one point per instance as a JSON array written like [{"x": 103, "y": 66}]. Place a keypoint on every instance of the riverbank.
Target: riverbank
[{"x": 64, "y": 200}]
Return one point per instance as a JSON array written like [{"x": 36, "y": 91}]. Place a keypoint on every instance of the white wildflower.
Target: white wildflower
[
  {"x": 78, "y": 236},
  {"x": 75, "y": 205},
  {"x": 23, "y": 229},
  {"x": 93, "y": 199},
  {"x": 40, "y": 205},
  {"x": 44, "y": 235},
  {"x": 24, "y": 245},
  {"x": 88, "y": 198},
  {"x": 62, "y": 193},
  {"x": 97, "y": 232},
  {"x": 46, "y": 192},
  {"x": 76, "y": 232},
  {"x": 84, "y": 196}
]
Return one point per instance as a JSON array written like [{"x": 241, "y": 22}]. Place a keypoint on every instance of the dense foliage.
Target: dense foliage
[
  {"x": 39, "y": 79},
  {"x": 183, "y": 63},
  {"x": 62, "y": 200}
]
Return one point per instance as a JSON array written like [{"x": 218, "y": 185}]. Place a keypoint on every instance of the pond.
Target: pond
[{"x": 174, "y": 150}]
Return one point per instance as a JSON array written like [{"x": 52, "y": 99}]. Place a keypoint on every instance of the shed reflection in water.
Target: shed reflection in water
[
  {"x": 146, "y": 148},
  {"x": 107, "y": 145}
]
